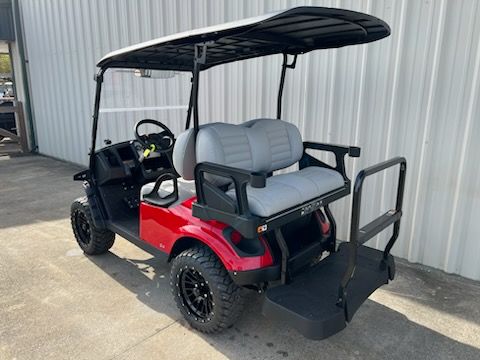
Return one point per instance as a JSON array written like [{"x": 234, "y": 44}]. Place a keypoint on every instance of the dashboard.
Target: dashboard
[{"x": 119, "y": 162}]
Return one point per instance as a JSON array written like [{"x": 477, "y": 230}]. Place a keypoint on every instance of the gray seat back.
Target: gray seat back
[
  {"x": 262, "y": 145},
  {"x": 184, "y": 159},
  {"x": 284, "y": 146}
]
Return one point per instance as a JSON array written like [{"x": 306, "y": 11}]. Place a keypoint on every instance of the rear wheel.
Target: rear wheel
[
  {"x": 204, "y": 292},
  {"x": 91, "y": 239}
]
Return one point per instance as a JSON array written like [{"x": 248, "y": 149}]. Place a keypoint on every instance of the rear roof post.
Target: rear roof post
[{"x": 285, "y": 66}]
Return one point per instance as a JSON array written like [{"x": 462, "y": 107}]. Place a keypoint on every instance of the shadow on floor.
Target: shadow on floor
[
  {"x": 135, "y": 275},
  {"x": 376, "y": 332},
  {"x": 36, "y": 189},
  {"x": 447, "y": 293}
]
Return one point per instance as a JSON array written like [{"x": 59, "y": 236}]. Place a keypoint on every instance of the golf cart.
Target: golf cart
[{"x": 212, "y": 200}]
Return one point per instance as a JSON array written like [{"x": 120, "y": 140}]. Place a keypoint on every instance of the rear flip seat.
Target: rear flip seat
[{"x": 265, "y": 145}]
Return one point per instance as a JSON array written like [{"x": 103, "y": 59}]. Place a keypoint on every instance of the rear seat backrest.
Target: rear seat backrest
[
  {"x": 231, "y": 145},
  {"x": 285, "y": 146},
  {"x": 262, "y": 145}
]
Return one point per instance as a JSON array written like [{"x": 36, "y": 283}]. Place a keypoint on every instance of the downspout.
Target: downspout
[{"x": 21, "y": 51}]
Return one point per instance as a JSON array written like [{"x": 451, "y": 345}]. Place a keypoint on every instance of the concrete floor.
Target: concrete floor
[
  {"x": 9, "y": 147},
  {"x": 56, "y": 303}
]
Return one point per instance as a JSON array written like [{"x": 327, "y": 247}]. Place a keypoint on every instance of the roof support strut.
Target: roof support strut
[
  {"x": 199, "y": 60},
  {"x": 190, "y": 104},
  {"x": 285, "y": 66},
  {"x": 96, "y": 109}
]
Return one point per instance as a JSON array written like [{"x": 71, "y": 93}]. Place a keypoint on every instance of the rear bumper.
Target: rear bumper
[{"x": 250, "y": 277}]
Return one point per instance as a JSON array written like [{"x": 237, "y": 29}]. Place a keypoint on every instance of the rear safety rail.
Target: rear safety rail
[
  {"x": 359, "y": 236},
  {"x": 320, "y": 301}
]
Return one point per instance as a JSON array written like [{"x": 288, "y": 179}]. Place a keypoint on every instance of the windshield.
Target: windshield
[{"x": 127, "y": 97}]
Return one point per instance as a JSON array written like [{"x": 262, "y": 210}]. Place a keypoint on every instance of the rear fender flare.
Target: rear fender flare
[{"x": 220, "y": 247}]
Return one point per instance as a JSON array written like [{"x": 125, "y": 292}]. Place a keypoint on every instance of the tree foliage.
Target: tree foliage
[{"x": 5, "y": 63}]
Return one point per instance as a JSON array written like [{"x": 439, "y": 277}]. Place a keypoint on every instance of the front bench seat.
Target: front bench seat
[{"x": 265, "y": 145}]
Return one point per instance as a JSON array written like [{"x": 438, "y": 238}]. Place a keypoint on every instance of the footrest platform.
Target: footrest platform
[{"x": 309, "y": 301}]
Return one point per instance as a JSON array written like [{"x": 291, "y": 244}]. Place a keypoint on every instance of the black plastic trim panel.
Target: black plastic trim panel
[
  {"x": 257, "y": 276},
  {"x": 338, "y": 150}
]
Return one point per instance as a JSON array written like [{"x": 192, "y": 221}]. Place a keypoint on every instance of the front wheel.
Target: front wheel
[
  {"x": 204, "y": 292},
  {"x": 91, "y": 239}
]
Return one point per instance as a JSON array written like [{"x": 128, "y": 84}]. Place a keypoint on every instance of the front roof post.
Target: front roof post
[{"x": 96, "y": 109}]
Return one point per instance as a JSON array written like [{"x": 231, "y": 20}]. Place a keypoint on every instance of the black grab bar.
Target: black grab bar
[{"x": 359, "y": 236}]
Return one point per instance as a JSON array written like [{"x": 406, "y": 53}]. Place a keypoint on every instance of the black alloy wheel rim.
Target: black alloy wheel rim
[
  {"x": 196, "y": 294},
  {"x": 83, "y": 227}
]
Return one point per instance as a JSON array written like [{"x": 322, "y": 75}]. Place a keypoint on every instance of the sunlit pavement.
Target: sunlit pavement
[{"x": 57, "y": 303}]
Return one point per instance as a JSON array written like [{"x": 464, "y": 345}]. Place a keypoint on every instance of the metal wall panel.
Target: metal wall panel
[
  {"x": 413, "y": 94},
  {"x": 7, "y": 31}
]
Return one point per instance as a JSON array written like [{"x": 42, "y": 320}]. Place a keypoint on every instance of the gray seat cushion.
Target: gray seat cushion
[
  {"x": 186, "y": 190},
  {"x": 288, "y": 190}
]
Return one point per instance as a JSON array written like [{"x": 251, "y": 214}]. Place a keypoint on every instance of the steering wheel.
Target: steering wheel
[{"x": 155, "y": 142}]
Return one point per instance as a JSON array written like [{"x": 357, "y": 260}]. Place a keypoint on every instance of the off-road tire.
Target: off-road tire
[
  {"x": 93, "y": 241},
  {"x": 227, "y": 297}
]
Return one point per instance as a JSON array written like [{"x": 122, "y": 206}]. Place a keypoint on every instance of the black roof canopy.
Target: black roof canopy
[{"x": 293, "y": 31}]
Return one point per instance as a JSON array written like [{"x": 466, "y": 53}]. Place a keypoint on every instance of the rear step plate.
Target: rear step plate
[{"x": 309, "y": 301}]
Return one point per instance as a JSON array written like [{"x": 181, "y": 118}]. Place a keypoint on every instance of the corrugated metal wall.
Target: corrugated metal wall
[{"x": 413, "y": 94}]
